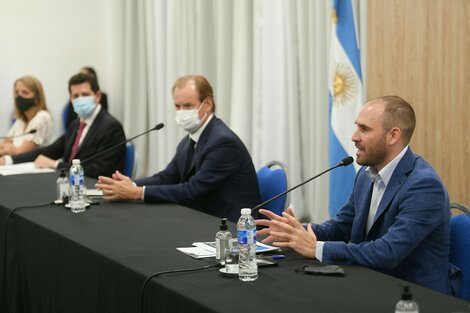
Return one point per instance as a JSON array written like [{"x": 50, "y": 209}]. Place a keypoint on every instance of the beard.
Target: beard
[{"x": 374, "y": 155}]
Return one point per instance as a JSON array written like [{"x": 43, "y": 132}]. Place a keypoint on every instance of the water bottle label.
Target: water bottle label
[
  {"x": 246, "y": 236},
  {"x": 76, "y": 180}
]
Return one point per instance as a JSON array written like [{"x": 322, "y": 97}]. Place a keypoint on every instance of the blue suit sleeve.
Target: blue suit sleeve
[
  {"x": 170, "y": 175},
  {"x": 414, "y": 213},
  {"x": 219, "y": 163}
]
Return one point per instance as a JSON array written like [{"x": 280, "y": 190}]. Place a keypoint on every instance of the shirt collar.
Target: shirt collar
[
  {"x": 89, "y": 120},
  {"x": 385, "y": 174},
  {"x": 197, "y": 134}
]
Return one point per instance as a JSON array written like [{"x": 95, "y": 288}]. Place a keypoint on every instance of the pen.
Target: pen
[{"x": 278, "y": 257}]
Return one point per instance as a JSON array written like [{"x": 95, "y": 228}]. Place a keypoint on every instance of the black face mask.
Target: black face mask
[{"x": 24, "y": 104}]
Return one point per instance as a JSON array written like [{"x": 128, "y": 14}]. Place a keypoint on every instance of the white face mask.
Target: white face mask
[{"x": 189, "y": 119}]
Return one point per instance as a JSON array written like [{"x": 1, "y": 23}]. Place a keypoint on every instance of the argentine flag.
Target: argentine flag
[{"x": 345, "y": 100}]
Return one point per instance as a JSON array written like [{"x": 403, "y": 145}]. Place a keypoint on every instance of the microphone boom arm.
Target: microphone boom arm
[
  {"x": 157, "y": 127},
  {"x": 346, "y": 161}
]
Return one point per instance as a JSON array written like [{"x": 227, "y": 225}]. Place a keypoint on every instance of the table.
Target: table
[{"x": 96, "y": 261}]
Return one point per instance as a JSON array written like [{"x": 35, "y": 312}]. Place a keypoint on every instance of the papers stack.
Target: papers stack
[
  {"x": 94, "y": 194},
  {"x": 23, "y": 168},
  {"x": 206, "y": 249}
]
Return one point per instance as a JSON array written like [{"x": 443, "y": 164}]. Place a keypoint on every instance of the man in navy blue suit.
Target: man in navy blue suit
[
  {"x": 212, "y": 170},
  {"x": 397, "y": 218},
  {"x": 92, "y": 132}
]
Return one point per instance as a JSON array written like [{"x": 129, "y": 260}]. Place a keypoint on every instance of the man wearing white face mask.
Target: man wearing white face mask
[
  {"x": 212, "y": 170},
  {"x": 93, "y": 131}
]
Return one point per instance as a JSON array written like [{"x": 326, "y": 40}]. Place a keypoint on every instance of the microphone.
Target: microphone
[
  {"x": 32, "y": 131},
  {"x": 344, "y": 162},
  {"x": 157, "y": 127}
]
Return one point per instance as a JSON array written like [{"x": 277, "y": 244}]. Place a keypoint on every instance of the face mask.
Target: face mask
[
  {"x": 189, "y": 119},
  {"x": 24, "y": 104},
  {"x": 84, "y": 106}
]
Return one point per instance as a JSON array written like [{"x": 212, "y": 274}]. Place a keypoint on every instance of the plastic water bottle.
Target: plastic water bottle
[
  {"x": 77, "y": 187},
  {"x": 406, "y": 304},
  {"x": 222, "y": 241},
  {"x": 62, "y": 185},
  {"x": 246, "y": 234}
]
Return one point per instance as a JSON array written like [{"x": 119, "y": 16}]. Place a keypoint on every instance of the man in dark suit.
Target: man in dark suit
[
  {"x": 94, "y": 131},
  {"x": 397, "y": 218},
  {"x": 69, "y": 114},
  {"x": 212, "y": 170}
]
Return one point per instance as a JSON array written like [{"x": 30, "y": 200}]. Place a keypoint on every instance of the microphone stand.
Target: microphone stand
[
  {"x": 32, "y": 131},
  {"x": 157, "y": 127},
  {"x": 346, "y": 161}
]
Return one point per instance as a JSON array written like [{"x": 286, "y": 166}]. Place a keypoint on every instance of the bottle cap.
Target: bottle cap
[
  {"x": 223, "y": 225},
  {"x": 246, "y": 211},
  {"x": 406, "y": 295},
  {"x": 76, "y": 161}
]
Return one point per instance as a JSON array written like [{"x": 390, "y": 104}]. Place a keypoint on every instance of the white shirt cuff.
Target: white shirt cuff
[
  {"x": 8, "y": 160},
  {"x": 319, "y": 250},
  {"x": 143, "y": 191}
]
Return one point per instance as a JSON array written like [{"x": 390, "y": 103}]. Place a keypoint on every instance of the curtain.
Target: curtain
[{"x": 267, "y": 61}]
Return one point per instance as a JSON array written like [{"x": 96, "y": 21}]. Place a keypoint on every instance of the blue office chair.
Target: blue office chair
[
  {"x": 272, "y": 180},
  {"x": 129, "y": 161},
  {"x": 460, "y": 246}
]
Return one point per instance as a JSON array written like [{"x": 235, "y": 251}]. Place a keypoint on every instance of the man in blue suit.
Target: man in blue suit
[
  {"x": 212, "y": 170},
  {"x": 397, "y": 218}
]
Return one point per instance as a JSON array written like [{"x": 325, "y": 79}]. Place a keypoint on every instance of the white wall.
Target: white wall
[{"x": 52, "y": 40}]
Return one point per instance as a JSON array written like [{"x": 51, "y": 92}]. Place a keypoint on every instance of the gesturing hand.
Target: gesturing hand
[
  {"x": 287, "y": 231},
  {"x": 118, "y": 187}
]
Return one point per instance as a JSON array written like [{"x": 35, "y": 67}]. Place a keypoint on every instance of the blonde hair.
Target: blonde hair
[
  {"x": 34, "y": 85},
  {"x": 204, "y": 89}
]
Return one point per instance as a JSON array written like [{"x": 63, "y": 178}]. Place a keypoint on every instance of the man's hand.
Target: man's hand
[
  {"x": 287, "y": 231},
  {"x": 118, "y": 176},
  {"x": 43, "y": 161},
  {"x": 119, "y": 187},
  {"x": 268, "y": 223}
]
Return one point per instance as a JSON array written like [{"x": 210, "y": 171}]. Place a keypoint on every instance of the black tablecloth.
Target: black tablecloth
[{"x": 96, "y": 261}]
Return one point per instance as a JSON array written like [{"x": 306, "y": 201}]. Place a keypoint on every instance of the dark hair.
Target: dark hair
[
  {"x": 90, "y": 71},
  {"x": 398, "y": 112},
  {"x": 203, "y": 87},
  {"x": 80, "y": 78}
]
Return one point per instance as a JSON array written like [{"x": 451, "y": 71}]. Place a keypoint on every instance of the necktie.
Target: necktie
[
  {"x": 189, "y": 155},
  {"x": 77, "y": 141}
]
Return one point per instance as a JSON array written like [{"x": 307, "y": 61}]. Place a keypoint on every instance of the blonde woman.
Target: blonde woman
[{"x": 31, "y": 115}]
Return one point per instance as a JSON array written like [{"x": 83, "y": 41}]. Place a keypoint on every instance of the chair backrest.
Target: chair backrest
[
  {"x": 272, "y": 180},
  {"x": 129, "y": 161},
  {"x": 460, "y": 207},
  {"x": 460, "y": 246},
  {"x": 65, "y": 115}
]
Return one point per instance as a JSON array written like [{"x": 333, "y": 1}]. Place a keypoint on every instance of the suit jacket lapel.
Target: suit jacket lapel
[
  {"x": 71, "y": 139},
  {"x": 398, "y": 178},
  {"x": 359, "y": 235},
  {"x": 91, "y": 133},
  {"x": 200, "y": 146}
]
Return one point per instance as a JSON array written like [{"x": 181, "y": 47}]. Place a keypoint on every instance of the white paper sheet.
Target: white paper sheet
[{"x": 22, "y": 168}]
